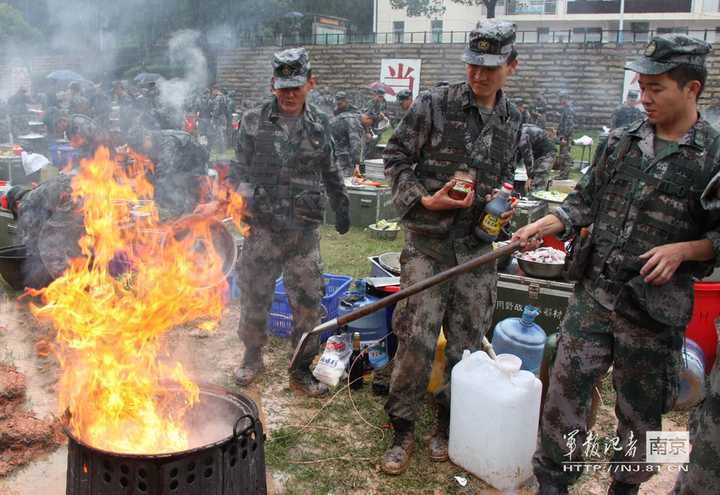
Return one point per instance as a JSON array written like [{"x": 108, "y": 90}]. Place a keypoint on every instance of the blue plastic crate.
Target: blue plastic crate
[
  {"x": 280, "y": 316},
  {"x": 233, "y": 290},
  {"x": 62, "y": 154}
]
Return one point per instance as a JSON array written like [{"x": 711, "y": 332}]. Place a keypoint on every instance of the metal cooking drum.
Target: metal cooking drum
[{"x": 226, "y": 456}]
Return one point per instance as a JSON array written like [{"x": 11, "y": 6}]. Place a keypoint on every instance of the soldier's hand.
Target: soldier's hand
[
  {"x": 441, "y": 200},
  {"x": 661, "y": 263},
  {"x": 507, "y": 216},
  {"x": 528, "y": 186},
  {"x": 529, "y": 236}
]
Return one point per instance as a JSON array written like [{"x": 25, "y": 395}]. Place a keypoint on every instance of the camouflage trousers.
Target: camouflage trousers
[
  {"x": 342, "y": 162},
  {"x": 464, "y": 307},
  {"x": 265, "y": 255},
  {"x": 703, "y": 475},
  {"x": 646, "y": 366},
  {"x": 564, "y": 163}
]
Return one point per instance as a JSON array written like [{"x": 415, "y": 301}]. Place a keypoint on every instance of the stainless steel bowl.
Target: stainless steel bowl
[{"x": 540, "y": 270}]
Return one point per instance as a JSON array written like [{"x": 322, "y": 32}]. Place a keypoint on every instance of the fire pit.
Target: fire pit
[{"x": 226, "y": 456}]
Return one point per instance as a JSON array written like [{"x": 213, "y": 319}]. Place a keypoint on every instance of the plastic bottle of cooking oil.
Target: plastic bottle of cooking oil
[{"x": 490, "y": 224}]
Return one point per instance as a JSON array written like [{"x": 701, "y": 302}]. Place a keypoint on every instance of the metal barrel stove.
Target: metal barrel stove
[{"x": 232, "y": 464}]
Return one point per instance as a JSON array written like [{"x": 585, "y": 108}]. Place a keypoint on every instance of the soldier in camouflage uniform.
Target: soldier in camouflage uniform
[
  {"x": 284, "y": 169},
  {"x": 537, "y": 153},
  {"x": 627, "y": 113},
  {"x": 381, "y": 377},
  {"x": 180, "y": 168},
  {"x": 50, "y": 223},
  {"x": 656, "y": 226},
  {"x": 537, "y": 113},
  {"x": 82, "y": 131},
  {"x": 347, "y": 133},
  {"x": 342, "y": 104},
  {"x": 465, "y": 129},
  {"x": 377, "y": 104},
  {"x": 565, "y": 131},
  {"x": 703, "y": 475},
  {"x": 78, "y": 105},
  {"x": 218, "y": 119},
  {"x": 520, "y": 104},
  {"x": 405, "y": 99}
]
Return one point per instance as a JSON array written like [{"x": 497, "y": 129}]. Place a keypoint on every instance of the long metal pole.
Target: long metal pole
[
  {"x": 441, "y": 277},
  {"x": 622, "y": 22}
]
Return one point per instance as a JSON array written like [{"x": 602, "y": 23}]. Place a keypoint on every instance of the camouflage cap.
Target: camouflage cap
[
  {"x": 668, "y": 51},
  {"x": 490, "y": 43},
  {"x": 404, "y": 94},
  {"x": 340, "y": 95},
  {"x": 290, "y": 68}
]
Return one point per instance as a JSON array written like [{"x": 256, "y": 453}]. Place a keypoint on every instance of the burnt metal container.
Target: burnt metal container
[{"x": 233, "y": 464}]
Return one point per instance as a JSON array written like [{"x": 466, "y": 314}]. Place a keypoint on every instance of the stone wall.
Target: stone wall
[{"x": 593, "y": 74}]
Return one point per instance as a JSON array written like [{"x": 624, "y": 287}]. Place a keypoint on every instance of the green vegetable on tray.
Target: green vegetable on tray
[
  {"x": 385, "y": 225},
  {"x": 554, "y": 196}
]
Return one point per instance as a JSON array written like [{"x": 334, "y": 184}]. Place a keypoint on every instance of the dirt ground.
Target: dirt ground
[{"x": 314, "y": 446}]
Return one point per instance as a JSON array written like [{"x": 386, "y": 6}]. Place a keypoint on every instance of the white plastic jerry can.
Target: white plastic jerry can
[{"x": 494, "y": 413}]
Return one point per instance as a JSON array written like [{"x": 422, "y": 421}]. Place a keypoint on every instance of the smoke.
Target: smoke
[{"x": 183, "y": 50}]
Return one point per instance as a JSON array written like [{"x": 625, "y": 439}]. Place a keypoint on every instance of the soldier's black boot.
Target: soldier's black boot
[
  {"x": 251, "y": 366},
  {"x": 440, "y": 435},
  {"x": 547, "y": 486},
  {"x": 397, "y": 458},
  {"x": 304, "y": 382},
  {"x": 620, "y": 488}
]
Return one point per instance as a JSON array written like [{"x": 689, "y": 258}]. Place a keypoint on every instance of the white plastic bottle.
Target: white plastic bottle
[{"x": 494, "y": 413}]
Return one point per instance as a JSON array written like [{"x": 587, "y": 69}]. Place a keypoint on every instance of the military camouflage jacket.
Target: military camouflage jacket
[
  {"x": 284, "y": 174},
  {"x": 432, "y": 140},
  {"x": 566, "y": 127},
  {"x": 643, "y": 201},
  {"x": 537, "y": 152},
  {"x": 625, "y": 115},
  {"x": 84, "y": 126},
  {"x": 180, "y": 165},
  {"x": 50, "y": 224},
  {"x": 376, "y": 106},
  {"x": 347, "y": 133}
]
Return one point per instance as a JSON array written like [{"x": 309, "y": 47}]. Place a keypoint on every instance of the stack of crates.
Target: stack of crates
[{"x": 280, "y": 321}]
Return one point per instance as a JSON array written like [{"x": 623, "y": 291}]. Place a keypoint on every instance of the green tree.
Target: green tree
[
  {"x": 431, "y": 8},
  {"x": 14, "y": 27}
]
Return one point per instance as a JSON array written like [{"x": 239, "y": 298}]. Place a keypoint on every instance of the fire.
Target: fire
[{"x": 137, "y": 279}]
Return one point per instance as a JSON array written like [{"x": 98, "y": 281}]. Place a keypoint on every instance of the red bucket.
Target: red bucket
[{"x": 701, "y": 329}]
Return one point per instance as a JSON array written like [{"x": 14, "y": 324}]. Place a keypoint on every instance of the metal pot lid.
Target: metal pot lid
[{"x": 390, "y": 262}]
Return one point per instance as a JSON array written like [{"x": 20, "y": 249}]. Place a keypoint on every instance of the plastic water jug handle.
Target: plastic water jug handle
[{"x": 466, "y": 354}]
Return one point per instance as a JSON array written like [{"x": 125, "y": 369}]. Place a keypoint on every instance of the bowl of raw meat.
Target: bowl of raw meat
[{"x": 544, "y": 262}]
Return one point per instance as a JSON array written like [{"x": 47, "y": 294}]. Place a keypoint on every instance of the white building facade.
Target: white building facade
[{"x": 556, "y": 20}]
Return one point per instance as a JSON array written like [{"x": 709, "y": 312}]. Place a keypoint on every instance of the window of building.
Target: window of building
[
  {"x": 668, "y": 30},
  {"x": 398, "y": 31},
  {"x": 543, "y": 35},
  {"x": 589, "y": 34},
  {"x": 437, "y": 31},
  {"x": 640, "y": 32}
]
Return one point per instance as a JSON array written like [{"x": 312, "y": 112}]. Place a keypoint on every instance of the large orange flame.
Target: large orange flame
[{"x": 137, "y": 279}]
